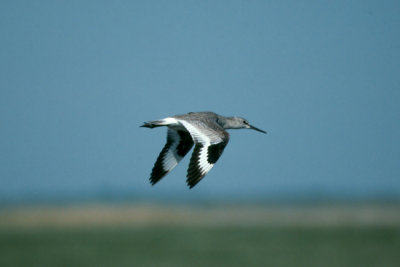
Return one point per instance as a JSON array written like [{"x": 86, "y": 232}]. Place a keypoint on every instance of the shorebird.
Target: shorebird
[{"x": 206, "y": 130}]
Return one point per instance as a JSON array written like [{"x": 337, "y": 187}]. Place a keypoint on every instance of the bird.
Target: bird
[{"x": 206, "y": 131}]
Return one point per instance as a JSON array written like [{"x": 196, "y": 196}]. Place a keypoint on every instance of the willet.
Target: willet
[{"x": 206, "y": 130}]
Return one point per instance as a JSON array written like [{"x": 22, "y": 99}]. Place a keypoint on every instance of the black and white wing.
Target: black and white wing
[
  {"x": 210, "y": 142},
  {"x": 178, "y": 145}
]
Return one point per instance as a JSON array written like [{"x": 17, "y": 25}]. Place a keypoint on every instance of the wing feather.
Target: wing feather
[
  {"x": 178, "y": 145},
  {"x": 210, "y": 141}
]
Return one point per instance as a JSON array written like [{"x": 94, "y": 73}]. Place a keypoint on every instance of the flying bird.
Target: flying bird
[{"x": 204, "y": 130}]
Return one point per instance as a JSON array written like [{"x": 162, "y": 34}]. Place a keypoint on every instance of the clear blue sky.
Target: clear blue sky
[{"x": 77, "y": 79}]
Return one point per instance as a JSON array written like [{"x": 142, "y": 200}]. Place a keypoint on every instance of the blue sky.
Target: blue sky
[{"x": 77, "y": 79}]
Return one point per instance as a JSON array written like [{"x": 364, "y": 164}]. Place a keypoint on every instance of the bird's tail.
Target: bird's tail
[{"x": 153, "y": 124}]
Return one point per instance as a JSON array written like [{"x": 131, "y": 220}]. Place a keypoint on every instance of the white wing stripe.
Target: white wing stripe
[
  {"x": 200, "y": 135},
  {"x": 204, "y": 165}
]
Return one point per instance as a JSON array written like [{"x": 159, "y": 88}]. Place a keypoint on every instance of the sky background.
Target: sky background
[{"x": 77, "y": 79}]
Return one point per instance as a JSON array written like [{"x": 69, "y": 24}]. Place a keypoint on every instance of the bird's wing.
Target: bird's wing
[
  {"x": 178, "y": 145},
  {"x": 210, "y": 142}
]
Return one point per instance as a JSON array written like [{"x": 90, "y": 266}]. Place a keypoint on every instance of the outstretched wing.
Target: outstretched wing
[
  {"x": 178, "y": 145},
  {"x": 210, "y": 141}
]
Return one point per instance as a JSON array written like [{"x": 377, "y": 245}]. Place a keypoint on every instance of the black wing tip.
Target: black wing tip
[
  {"x": 153, "y": 181},
  {"x": 193, "y": 178},
  {"x": 156, "y": 177},
  {"x": 192, "y": 184},
  {"x": 157, "y": 174}
]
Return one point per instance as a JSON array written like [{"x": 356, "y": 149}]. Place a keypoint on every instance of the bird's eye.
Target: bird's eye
[{"x": 245, "y": 122}]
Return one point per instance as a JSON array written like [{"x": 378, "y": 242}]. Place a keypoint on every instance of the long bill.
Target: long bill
[{"x": 255, "y": 128}]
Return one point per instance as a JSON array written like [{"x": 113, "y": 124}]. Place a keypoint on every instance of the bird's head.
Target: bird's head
[{"x": 240, "y": 123}]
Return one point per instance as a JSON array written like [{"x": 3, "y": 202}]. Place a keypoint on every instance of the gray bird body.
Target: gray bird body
[{"x": 205, "y": 130}]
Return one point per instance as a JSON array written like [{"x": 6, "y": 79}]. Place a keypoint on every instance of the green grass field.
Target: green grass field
[{"x": 190, "y": 244}]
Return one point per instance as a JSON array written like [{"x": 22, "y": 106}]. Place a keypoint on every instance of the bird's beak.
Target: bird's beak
[{"x": 254, "y": 128}]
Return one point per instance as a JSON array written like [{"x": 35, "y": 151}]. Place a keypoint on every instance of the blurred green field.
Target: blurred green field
[{"x": 196, "y": 244}]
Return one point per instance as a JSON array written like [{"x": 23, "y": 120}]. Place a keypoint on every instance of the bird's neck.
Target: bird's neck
[{"x": 224, "y": 122}]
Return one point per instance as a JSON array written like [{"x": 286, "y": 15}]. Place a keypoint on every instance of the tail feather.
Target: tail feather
[{"x": 153, "y": 124}]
